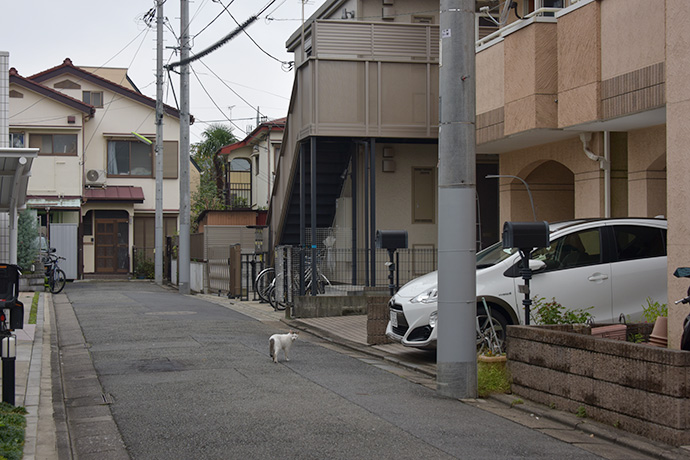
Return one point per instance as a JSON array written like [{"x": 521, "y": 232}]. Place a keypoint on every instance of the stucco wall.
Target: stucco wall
[
  {"x": 579, "y": 66},
  {"x": 678, "y": 166},
  {"x": 631, "y": 34}
]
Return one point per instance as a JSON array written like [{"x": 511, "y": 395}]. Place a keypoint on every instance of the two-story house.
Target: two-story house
[
  {"x": 93, "y": 182},
  {"x": 581, "y": 99},
  {"x": 251, "y": 165}
]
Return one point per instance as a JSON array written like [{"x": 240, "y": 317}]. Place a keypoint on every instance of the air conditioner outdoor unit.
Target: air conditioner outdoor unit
[{"x": 95, "y": 177}]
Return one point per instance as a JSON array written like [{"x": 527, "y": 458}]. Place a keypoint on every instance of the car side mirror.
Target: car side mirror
[{"x": 536, "y": 265}]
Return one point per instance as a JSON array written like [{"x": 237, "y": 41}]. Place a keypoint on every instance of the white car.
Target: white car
[{"x": 613, "y": 265}]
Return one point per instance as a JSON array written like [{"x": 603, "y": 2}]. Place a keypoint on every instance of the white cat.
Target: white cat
[{"x": 279, "y": 342}]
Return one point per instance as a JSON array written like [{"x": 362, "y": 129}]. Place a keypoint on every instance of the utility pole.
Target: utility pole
[
  {"x": 183, "y": 249},
  {"x": 158, "y": 236},
  {"x": 457, "y": 305}
]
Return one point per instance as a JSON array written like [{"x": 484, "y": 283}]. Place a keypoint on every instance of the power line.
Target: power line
[
  {"x": 287, "y": 65},
  {"x": 213, "y": 100},
  {"x": 215, "y": 46},
  {"x": 233, "y": 91}
]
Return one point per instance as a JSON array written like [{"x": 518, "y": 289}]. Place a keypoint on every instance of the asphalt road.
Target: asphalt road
[{"x": 190, "y": 379}]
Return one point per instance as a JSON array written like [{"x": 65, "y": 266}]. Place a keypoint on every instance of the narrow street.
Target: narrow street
[{"x": 187, "y": 378}]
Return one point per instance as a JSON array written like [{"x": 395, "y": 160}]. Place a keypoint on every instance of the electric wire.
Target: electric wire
[
  {"x": 213, "y": 100},
  {"x": 286, "y": 65},
  {"x": 233, "y": 91}
]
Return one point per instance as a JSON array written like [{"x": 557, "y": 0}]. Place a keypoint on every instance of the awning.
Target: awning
[
  {"x": 15, "y": 169},
  {"x": 115, "y": 193},
  {"x": 54, "y": 203}
]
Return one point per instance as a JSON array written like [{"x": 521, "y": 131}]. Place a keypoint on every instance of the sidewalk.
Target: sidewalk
[{"x": 33, "y": 379}]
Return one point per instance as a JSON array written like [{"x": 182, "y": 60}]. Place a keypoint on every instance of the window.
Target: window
[
  {"x": 130, "y": 158},
  {"x": 87, "y": 223},
  {"x": 55, "y": 144},
  {"x": 634, "y": 242},
  {"x": 423, "y": 195},
  {"x": 17, "y": 140},
  {"x": 574, "y": 250},
  {"x": 95, "y": 98}
]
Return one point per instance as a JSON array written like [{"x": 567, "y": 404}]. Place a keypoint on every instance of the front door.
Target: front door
[{"x": 112, "y": 243}]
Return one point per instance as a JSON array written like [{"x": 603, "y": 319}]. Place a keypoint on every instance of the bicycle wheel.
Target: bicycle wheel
[
  {"x": 275, "y": 303},
  {"x": 484, "y": 333},
  {"x": 263, "y": 282},
  {"x": 58, "y": 281}
]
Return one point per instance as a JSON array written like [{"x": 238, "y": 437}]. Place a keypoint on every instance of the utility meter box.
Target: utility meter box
[
  {"x": 391, "y": 239},
  {"x": 525, "y": 235}
]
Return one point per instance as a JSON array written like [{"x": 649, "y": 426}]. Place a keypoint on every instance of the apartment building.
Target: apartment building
[{"x": 584, "y": 100}]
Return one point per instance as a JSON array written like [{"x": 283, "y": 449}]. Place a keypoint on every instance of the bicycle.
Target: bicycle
[
  {"x": 54, "y": 274},
  {"x": 263, "y": 283},
  {"x": 487, "y": 337}
]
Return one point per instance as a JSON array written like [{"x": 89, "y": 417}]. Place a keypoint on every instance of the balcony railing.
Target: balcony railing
[{"x": 544, "y": 14}]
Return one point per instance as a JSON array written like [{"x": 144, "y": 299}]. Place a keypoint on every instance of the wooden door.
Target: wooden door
[{"x": 112, "y": 243}]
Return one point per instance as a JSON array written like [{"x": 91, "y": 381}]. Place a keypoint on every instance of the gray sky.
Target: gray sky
[{"x": 40, "y": 34}]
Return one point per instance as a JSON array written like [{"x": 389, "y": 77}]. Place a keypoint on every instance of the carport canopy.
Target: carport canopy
[{"x": 15, "y": 170}]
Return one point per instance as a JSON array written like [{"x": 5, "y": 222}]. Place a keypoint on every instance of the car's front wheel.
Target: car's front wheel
[{"x": 491, "y": 329}]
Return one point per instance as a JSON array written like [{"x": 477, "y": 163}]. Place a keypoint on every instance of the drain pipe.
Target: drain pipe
[{"x": 604, "y": 164}]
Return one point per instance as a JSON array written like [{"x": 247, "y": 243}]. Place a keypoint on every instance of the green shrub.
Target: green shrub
[
  {"x": 143, "y": 267},
  {"x": 12, "y": 426},
  {"x": 552, "y": 312},
  {"x": 492, "y": 378},
  {"x": 653, "y": 310}
]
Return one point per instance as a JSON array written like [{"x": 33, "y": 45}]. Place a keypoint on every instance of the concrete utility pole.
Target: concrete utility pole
[
  {"x": 158, "y": 236},
  {"x": 183, "y": 249},
  {"x": 457, "y": 305}
]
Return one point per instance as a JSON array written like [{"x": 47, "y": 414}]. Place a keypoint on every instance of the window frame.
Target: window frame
[
  {"x": 129, "y": 163},
  {"x": 33, "y": 136},
  {"x": 90, "y": 101}
]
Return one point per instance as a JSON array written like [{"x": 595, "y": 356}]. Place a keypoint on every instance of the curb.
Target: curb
[{"x": 598, "y": 430}]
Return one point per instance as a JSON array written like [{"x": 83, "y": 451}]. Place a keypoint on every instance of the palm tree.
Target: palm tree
[{"x": 212, "y": 166}]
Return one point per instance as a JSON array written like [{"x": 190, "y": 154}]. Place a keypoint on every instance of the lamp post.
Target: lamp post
[
  {"x": 9, "y": 357},
  {"x": 529, "y": 192}
]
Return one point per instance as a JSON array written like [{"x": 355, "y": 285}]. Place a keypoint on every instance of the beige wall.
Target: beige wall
[
  {"x": 579, "y": 66},
  {"x": 647, "y": 172},
  {"x": 490, "y": 78},
  {"x": 678, "y": 167},
  {"x": 51, "y": 175},
  {"x": 531, "y": 78},
  {"x": 632, "y": 34}
]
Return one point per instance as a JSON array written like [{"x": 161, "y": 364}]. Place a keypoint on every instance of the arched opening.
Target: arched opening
[
  {"x": 553, "y": 191},
  {"x": 240, "y": 183}
]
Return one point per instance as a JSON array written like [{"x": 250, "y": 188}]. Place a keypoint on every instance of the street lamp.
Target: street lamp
[{"x": 494, "y": 176}]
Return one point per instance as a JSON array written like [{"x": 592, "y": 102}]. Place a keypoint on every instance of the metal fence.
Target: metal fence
[{"x": 349, "y": 271}]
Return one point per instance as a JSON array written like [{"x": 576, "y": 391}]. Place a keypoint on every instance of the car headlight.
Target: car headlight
[
  {"x": 428, "y": 296},
  {"x": 433, "y": 319}
]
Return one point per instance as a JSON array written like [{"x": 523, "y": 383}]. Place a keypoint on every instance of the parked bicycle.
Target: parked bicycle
[
  {"x": 54, "y": 274},
  {"x": 265, "y": 285}
]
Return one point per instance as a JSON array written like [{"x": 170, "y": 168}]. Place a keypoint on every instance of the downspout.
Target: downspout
[{"x": 604, "y": 164}]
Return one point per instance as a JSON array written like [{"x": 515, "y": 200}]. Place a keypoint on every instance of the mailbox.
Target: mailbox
[
  {"x": 11, "y": 309},
  {"x": 391, "y": 239},
  {"x": 526, "y": 235}
]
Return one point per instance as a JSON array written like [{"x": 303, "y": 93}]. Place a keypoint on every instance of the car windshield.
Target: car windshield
[{"x": 493, "y": 255}]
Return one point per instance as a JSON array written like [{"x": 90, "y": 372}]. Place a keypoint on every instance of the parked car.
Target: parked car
[{"x": 612, "y": 265}]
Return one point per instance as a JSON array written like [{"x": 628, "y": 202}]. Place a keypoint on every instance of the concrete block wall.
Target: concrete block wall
[
  {"x": 322, "y": 306},
  {"x": 636, "y": 387},
  {"x": 377, "y": 319}
]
